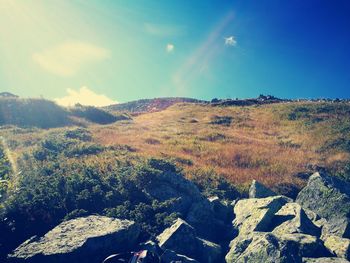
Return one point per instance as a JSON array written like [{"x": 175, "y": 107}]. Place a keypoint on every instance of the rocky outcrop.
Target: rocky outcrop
[
  {"x": 258, "y": 190},
  {"x": 329, "y": 197},
  {"x": 276, "y": 229},
  {"x": 181, "y": 238},
  {"x": 197, "y": 210},
  {"x": 255, "y": 214},
  {"x": 291, "y": 219},
  {"x": 85, "y": 239}
]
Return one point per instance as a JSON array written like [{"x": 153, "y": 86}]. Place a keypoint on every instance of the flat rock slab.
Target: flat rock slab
[{"x": 85, "y": 239}]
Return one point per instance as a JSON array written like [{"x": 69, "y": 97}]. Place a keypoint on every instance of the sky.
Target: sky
[{"x": 102, "y": 52}]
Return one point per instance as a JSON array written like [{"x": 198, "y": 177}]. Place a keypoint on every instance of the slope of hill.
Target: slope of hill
[
  {"x": 272, "y": 143},
  {"x": 47, "y": 114},
  {"x": 150, "y": 105},
  {"x": 50, "y": 175}
]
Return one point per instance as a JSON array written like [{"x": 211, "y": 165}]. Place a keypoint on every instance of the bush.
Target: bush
[
  {"x": 96, "y": 115},
  {"x": 221, "y": 120},
  {"x": 80, "y": 134}
]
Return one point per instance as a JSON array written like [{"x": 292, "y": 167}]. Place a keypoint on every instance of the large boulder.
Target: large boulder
[
  {"x": 338, "y": 246},
  {"x": 329, "y": 197},
  {"x": 182, "y": 238},
  {"x": 291, "y": 218},
  {"x": 262, "y": 247},
  {"x": 85, "y": 239},
  {"x": 256, "y": 214},
  {"x": 258, "y": 190}
]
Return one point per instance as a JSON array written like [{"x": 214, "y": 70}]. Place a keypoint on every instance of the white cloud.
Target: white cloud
[
  {"x": 230, "y": 41},
  {"x": 84, "y": 96},
  {"x": 162, "y": 30},
  {"x": 170, "y": 48},
  {"x": 68, "y": 58}
]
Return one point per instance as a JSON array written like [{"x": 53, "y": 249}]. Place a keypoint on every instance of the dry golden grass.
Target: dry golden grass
[
  {"x": 260, "y": 142},
  {"x": 257, "y": 144}
]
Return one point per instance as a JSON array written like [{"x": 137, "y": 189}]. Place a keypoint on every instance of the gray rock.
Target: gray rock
[
  {"x": 329, "y": 197},
  {"x": 182, "y": 238},
  {"x": 258, "y": 190},
  {"x": 308, "y": 246},
  {"x": 206, "y": 222},
  {"x": 222, "y": 209},
  {"x": 338, "y": 246},
  {"x": 256, "y": 214},
  {"x": 291, "y": 218},
  {"x": 85, "y": 239},
  {"x": 324, "y": 260},
  {"x": 335, "y": 226},
  {"x": 262, "y": 247}
]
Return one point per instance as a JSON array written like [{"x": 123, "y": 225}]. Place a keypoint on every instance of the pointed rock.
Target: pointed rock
[
  {"x": 258, "y": 190},
  {"x": 181, "y": 238},
  {"x": 329, "y": 197},
  {"x": 291, "y": 218},
  {"x": 256, "y": 214}
]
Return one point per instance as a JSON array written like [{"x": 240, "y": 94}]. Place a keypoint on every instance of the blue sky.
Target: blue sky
[{"x": 99, "y": 52}]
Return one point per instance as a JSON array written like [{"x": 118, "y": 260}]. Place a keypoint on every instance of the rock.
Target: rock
[
  {"x": 291, "y": 218},
  {"x": 85, "y": 239},
  {"x": 329, "y": 197},
  {"x": 256, "y": 214},
  {"x": 308, "y": 246},
  {"x": 181, "y": 238},
  {"x": 258, "y": 190},
  {"x": 338, "y": 246},
  {"x": 171, "y": 256},
  {"x": 324, "y": 260},
  {"x": 222, "y": 209},
  {"x": 335, "y": 226},
  {"x": 262, "y": 247},
  {"x": 206, "y": 222}
]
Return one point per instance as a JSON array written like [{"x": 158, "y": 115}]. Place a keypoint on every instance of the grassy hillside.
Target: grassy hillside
[
  {"x": 46, "y": 114},
  {"x": 271, "y": 143},
  {"x": 48, "y": 175}
]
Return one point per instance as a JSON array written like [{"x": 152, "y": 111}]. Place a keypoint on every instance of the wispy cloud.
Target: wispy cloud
[
  {"x": 68, "y": 58},
  {"x": 162, "y": 30},
  {"x": 230, "y": 41},
  {"x": 84, "y": 96},
  {"x": 169, "y": 48},
  {"x": 200, "y": 60}
]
